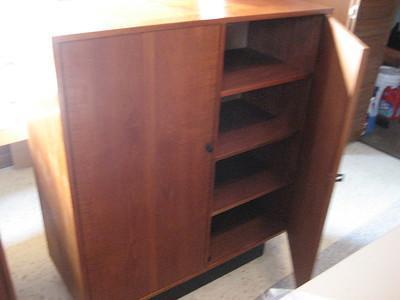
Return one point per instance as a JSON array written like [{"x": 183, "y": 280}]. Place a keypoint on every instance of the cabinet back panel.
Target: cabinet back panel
[
  {"x": 294, "y": 41},
  {"x": 139, "y": 110}
]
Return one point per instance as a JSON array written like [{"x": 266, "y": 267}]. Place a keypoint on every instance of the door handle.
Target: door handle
[
  {"x": 209, "y": 148},
  {"x": 339, "y": 177}
]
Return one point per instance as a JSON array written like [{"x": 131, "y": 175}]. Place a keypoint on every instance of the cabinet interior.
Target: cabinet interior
[
  {"x": 266, "y": 53},
  {"x": 255, "y": 118},
  {"x": 248, "y": 225},
  {"x": 265, "y": 88},
  {"x": 242, "y": 178}
]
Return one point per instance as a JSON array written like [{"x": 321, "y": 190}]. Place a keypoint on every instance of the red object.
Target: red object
[{"x": 389, "y": 106}]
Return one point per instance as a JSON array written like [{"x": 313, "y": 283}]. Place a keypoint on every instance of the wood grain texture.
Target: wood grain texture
[
  {"x": 341, "y": 8},
  {"x": 248, "y": 234},
  {"x": 284, "y": 109},
  {"x": 293, "y": 41},
  {"x": 47, "y": 145},
  {"x": 373, "y": 27},
  {"x": 240, "y": 191},
  {"x": 243, "y": 228},
  {"x": 246, "y": 70},
  {"x": 360, "y": 117},
  {"x": 253, "y": 174},
  {"x": 6, "y": 287},
  {"x": 335, "y": 88},
  {"x": 371, "y": 75},
  {"x": 374, "y": 22},
  {"x": 240, "y": 113},
  {"x": 376, "y": 9},
  {"x": 139, "y": 116},
  {"x": 126, "y": 175},
  {"x": 392, "y": 57},
  {"x": 92, "y": 19},
  {"x": 256, "y": 135}
]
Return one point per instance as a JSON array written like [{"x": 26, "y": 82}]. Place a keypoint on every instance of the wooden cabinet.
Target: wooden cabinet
[
  {"x": 183, "y": 141},
  {"x": 6, "y": 288},
  {"x": 374, "y": 21},
  {"x": 371, "y": 21}
]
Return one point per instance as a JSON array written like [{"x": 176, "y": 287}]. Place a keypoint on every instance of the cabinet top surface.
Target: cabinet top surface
[{"x": 90, "y": 19}]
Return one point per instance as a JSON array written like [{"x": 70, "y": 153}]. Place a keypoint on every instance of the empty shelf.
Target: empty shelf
[
  {"x": 246, "y": 138},
  {"x": 243, "y": 228},
  {"x": 239, "y": 113},
  {"x": 246, "y": 69},
  {"x": 234, "y": 193}
]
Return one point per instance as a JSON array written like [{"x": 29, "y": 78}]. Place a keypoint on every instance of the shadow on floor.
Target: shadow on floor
[
  {"x": 351, "y": 243},
  {"x": 385, "y": 139},
  {"x": 34, "y": 277}
]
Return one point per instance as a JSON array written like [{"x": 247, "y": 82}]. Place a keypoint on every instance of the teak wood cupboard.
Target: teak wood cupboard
[
  {"x": 187, "y": 136},
  {"x": 6, "y": 286},
  {"x": 371, "y": 21}
]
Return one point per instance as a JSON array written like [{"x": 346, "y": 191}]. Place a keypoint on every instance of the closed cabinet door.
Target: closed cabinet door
[{"x": 138, "y": 111}]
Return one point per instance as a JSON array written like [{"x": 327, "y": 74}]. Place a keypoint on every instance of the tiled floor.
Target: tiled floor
[{"x": 364, "y": 207}]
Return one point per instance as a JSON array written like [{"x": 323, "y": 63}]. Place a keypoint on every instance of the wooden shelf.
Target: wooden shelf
[
  {"x": 244, "y": 127},
  {"x": 238, "y": 113},
  {"x": 240, "y": 191},
  {"x": 250, "y": 137},
  {"x": 246, "y": 69},
  {"x": 243, "y": 178},
  {"x": 243, "y": 228}
]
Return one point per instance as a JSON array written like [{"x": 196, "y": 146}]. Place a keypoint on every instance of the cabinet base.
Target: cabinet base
[{"x": 211, "y": 275}]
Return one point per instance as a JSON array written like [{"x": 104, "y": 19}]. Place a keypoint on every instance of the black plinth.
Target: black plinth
[{"x": 197, "y": 282}]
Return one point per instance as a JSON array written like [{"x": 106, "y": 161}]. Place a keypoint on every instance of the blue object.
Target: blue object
[{"x": 372, "y": 113}]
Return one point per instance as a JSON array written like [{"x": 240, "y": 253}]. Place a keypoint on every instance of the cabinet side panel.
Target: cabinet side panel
[
  {"x": 49, "y": 158},
  {"x": 6, "y": 287},
  {"x": 334, "y": 92},
  {"x": 140, "y": 110}
]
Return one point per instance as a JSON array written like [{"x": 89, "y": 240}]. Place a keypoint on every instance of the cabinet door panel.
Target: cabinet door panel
[
  {"x": 335, "y": 89},
  {"x": 139, "y": 110}
]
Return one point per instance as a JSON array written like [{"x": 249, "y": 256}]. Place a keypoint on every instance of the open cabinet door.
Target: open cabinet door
[{"x": 336, "y": 83}]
